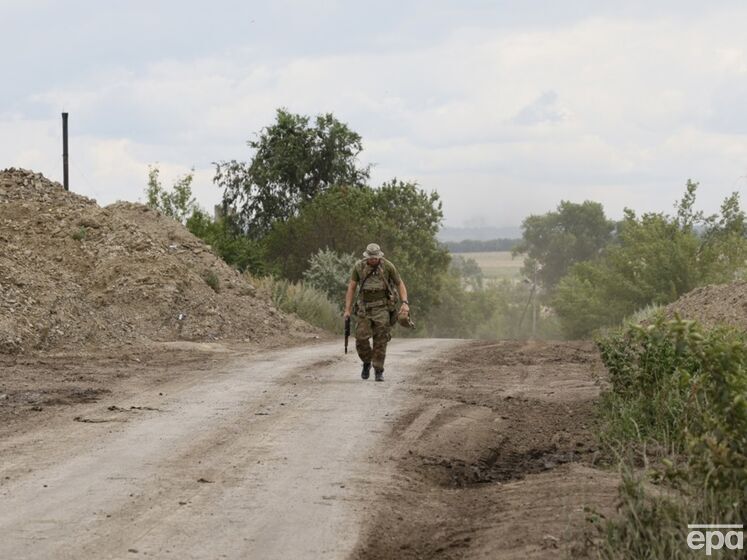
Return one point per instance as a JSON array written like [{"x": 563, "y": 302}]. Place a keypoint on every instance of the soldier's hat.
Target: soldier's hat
[{"x": 373, "y": 251}]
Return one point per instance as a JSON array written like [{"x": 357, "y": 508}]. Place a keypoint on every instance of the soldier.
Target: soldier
[{"x": 377, "y": 278}]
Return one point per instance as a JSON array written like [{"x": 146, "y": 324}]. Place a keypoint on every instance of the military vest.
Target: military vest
[{"x": 374, "y": 281}]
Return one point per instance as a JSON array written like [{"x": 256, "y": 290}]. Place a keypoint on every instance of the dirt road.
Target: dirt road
[
  {"x": 468, "y": 450},
  {"x": 272, "y": 457}
]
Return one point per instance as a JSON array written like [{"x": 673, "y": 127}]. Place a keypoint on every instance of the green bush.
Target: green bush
[
  {"x": 227, "y": 242},
  {"x": 309, "y": 303},
  {"x": 329, "y": 272},
  {"x": 212, "y": 280},
  {"x": 80, "y": 234},
  {"x": 678, "y": 399},
  {"x": 654, "y": 259}
]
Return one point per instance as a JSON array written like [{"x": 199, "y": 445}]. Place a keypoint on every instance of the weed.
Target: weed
[
  {"x": 80, "y": 234},
  {"x": 675, "y": 418},
  {"x": 310, "y": 304},
  {"x": 212, "y": 280}
]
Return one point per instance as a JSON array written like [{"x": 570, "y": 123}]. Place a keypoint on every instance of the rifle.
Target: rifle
[{"x": 347, "y": 333}]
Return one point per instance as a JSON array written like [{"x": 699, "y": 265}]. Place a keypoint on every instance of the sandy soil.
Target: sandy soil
[
  {"x": 495, "y": 456},
  {"x": 209, "y": 451}
]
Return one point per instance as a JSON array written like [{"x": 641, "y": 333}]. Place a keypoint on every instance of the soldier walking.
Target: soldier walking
[{"x": 375, "y": 305}]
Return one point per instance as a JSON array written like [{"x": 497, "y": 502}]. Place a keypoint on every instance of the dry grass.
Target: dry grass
[{"x": 497, "y": 265}]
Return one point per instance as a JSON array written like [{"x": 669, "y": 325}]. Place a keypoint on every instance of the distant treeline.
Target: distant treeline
[{"x": 474, "y": 246}]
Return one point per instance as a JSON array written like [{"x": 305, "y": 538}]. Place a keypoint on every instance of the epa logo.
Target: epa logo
[{"x": 715, "y": 537}]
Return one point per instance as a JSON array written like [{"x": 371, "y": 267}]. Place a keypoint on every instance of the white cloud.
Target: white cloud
[{"x": 501, "y": 121}]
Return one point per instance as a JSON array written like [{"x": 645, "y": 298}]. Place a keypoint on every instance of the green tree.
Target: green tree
[
  {"x": 553, "y": 242},
  {"x": 399, "y": 216},
  {"x": 654, "y": 260},
  {"x": 293, "y": 162},
  {"x": 177, "y": 203},
  {"x": 469, "y": 271},
  {"x": 227, "y": 241},
  {"x": 340, "y": 219}
]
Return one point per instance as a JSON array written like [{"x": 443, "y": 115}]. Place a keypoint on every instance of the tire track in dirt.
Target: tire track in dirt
[
  {"x": 274, "y": 455},
  {"x": 494, "y": 456}
]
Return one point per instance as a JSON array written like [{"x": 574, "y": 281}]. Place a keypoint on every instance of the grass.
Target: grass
[
  {"x": 310, "y": 304},
  {"x": 212, "y": 280},
  {"x": 80, "y": 234},
  {"x": 497, "y": 265}
]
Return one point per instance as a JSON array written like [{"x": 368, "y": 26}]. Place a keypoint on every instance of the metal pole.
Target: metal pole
[
  {"x": 65, "y": 174},
  {"x": 534, "y": 305}
]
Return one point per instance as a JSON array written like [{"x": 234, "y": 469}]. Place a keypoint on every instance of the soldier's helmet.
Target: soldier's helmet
[
  {"x": 373, "y": 251},
  {"x": 404, "y": 319}
]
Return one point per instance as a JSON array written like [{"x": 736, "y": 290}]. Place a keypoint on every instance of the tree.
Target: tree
[
  {"x": 399, "y": 216},
  {"x": 227, "y": 241},
  {"x": 654, "y": 260},
  {"x": 553, "y": 242},
  {"x": 340, "y": 219},
  {"x": 177, "y": 203},
  {"x": 293, "y": 162},
  {"x": 469, "y": 271}
]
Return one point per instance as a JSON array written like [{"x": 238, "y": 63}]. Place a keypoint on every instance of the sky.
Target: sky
[{"x": 504, "y": 108}]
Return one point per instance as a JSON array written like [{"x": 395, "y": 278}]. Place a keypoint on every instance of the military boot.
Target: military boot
[
  {"x": 379, "y": 374},
  {"x": 366, "y": 371}
]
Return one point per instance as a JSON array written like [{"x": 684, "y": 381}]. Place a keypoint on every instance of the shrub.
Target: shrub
[
  {"x": 80, "y": 234},
  {"x": 682, "y": 392},
  {"x": 309, "y": 303},
  {"x": 329, "y": 272},
  {"x": 212, "y": 280}
]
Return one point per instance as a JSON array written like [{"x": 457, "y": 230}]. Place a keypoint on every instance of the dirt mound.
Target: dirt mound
[
  {"x": 75, "y": 275},
  {"x": 717, "y": 304}
]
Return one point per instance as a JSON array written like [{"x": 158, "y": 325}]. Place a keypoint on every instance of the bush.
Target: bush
[
  {"x": 678, "y": 396},
  {"x": 329, "y": 272},
  {"x": 212, "y": 280},
  {"x": 654, "y": 260},
  {"x": 227, "y": 242},
  {"x": 309, "y": 303},
  {"x": 80, "y": 234}
]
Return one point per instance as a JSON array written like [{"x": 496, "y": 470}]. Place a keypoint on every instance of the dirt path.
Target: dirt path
[
  {"x": 468, "y": 450},
  {"x": 495, "y": 457},
  {"x": 270, "y": 458}
]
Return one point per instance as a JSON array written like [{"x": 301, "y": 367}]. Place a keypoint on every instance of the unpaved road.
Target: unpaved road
[
  {"x": 273, "y": 456},
  {"x": 470, "y": 449}
]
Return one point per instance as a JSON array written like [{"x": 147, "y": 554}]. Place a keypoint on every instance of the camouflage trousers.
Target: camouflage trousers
[{"x": 373, "y": 323}]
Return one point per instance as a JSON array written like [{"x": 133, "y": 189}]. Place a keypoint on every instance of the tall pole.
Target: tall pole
[
  {"x": 534, "y": 305},
  {"x": 65, "y": 174}
]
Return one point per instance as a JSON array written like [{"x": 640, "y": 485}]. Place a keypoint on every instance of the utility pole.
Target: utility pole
[{"x": 65, "y": 174}]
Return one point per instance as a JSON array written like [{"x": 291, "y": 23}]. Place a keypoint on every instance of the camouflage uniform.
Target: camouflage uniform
[{"x": 372, "y": 309}]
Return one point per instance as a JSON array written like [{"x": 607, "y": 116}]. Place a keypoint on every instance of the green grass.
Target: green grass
[
  {"x": 212, "y": 280},
  {"x": 310, "y": 304}
]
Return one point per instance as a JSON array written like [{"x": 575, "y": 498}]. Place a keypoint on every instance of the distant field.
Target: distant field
[{"x": 497, "y": 265}]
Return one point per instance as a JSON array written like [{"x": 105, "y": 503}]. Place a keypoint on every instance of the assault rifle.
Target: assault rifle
[{"x": 347, "y": 332}]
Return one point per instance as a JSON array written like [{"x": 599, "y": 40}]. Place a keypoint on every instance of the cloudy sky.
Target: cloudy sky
[{"x": 504, "y": 108}]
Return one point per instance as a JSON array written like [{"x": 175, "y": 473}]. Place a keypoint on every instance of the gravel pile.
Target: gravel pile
[
  {"x": 716, "y": 304},
  {"x": 75, "y": 275}
]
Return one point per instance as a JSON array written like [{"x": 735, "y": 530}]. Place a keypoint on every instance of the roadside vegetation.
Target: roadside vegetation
[
  {"x": 675, "y": 420},
  {"x": 301, "y": 208}
]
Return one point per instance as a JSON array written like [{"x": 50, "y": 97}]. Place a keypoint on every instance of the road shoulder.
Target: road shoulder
[{"x": 495, "y": 457}]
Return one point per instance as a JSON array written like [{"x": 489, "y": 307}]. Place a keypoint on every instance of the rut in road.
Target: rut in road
[{"x": 273, "y": 457}]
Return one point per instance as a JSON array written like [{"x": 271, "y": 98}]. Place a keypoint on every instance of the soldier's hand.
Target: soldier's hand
[{"x": 346, "y": 314}]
